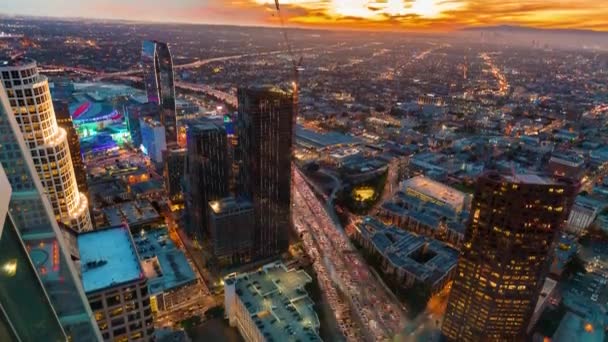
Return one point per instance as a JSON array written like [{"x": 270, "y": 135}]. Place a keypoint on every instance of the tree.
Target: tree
[{"x": 574, "y": 266}]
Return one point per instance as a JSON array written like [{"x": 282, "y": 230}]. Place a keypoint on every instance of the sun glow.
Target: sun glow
[{"x": 438, "y": 14}]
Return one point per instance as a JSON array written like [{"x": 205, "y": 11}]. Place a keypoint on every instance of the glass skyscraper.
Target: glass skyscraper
[
  {"x": 506, "y": 255},
  {"x": 25, "y": 311},
  {"x": 265, "y": 130},
  {"x": 160, "y": 84},
  {"x": 32, "y": 215},
  {"x": 30, "y": 100}
]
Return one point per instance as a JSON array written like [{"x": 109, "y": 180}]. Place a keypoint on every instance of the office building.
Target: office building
[
  {"x": 30, "y": 99},
  {"x": 36, "y": 223},
  {"x": 265, "y": 128},
  {"x": 231, "y": 223},
  {"x": 207, "y": 172},
  {"x": 133, "y": 112},
  {"x": 173, "y": 173},
  {"x": 506, "y": 255},
  {"x": 153, "y": 141},
  {"x": 24, "y": 303},
  {"x": 64, "y": 120},
  {"x": 160, "y": 84},
  {"x": 271, "y": 305},
  {"x": 115, "y": 284}
]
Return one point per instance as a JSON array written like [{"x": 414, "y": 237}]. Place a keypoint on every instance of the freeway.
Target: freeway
[{"x": 373, "y": 315}]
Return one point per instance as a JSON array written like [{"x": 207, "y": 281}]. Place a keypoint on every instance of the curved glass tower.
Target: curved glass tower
[
  {"x": 33, "y": 217},
  {"x": 30, "y": 99},
  {"x": 160, "y": 84}
]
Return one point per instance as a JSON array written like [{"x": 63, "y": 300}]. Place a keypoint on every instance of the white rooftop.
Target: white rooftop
[
  {"x": 435, "y": 190},
  {"x": 107, "y": 258}
]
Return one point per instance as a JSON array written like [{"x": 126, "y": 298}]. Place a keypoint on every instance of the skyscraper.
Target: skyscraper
[
  {"x": 160, "y": 84},
  {"x": 30, "y": 99},
  {"x": 33, "y": 217},
  {"x": 506, "y": 255},
  {"x": 265, "y": 128},
  {"x": 64, "y": 120},
  {"x": 174, "y": 161},
  {"x": 207, "y": 172},
  {"x": 26, "y": 314}
]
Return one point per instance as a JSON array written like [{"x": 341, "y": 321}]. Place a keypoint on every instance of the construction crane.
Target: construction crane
[{"x": 296, "y": 64}]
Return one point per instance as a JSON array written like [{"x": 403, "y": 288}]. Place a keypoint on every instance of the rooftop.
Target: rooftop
[
  {"x": 278, "y": 303},
  {"x": 575, "y": 328},
  {"x": 15, "y": 61},
  {"x": 310, "y": 138},
  {"x": 131, "y": 212},
  {"x": 228, "y": 205},
  {"x": 435, "y": 190},
  {"x": 107, "y": 258},
  {"x": 426, "y": 258},
  {"x": 165, "y": 266}
]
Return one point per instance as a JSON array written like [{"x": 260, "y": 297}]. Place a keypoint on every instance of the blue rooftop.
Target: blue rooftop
[
  {"x": 165, "y": 266},
  {"x": 107, "y": 259}
]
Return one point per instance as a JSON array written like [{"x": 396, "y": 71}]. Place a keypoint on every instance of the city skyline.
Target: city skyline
[
  {"x": 394, "y": 15},
  {"x": 318, "y": 185}
]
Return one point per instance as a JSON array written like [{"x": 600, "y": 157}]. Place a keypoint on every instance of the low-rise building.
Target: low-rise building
[
  {"x": 134, "y": 213},
  {"x": 171, "y": 278},
  {"x": 153, "y": 140},
  {"x": 584, "y": 211},
  {"x": 271, "y": 305},
  {"x": 566, "y": 165},
  {"x": 115, "y": 285},
  {"x": 408, "y": 257}
]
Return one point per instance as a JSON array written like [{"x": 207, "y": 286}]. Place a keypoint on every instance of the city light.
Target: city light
[
  {"x": 414, "y": 179},
  {"x": 10, "y": 268}
]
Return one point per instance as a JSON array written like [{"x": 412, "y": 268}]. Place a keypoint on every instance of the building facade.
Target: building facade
[
  {"x": 231, "y": 230},
  {"x": 133, "y": 112},
  {"x": 506, "y": 255},
  {"x": 265, "y": 127},
  {"x": 160, "y": 84},
  {"x": 207, "y": 172},
  {"x": 64, "y": 120},
  {"x": 36, "y": 223},
  {"x": 30, "y": 99},
  {"x": 173, "y": 172},
  {"x": 115, "y": 284},
  {"x": 271, "y": 305},
  {"x": 23, "y": 301},
  {"x": 153, "y": 137}
]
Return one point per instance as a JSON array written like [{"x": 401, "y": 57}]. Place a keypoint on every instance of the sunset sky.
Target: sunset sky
[{"x": 430, "y": 15}]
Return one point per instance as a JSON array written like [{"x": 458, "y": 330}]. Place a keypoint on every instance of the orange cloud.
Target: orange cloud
[{"x": 437, "y": 15}]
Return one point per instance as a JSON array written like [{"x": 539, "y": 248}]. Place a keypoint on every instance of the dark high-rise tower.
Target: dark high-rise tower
[
  {"x": 506, "y": 255},
  {"x": 173, "y": 172},
  {"x": 265, "y": 128},
  {"x": 64, "y": 120},
  {"x": 207, "y": 172},
  {"x": 160, "y": 84}
]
